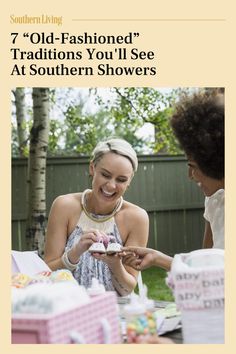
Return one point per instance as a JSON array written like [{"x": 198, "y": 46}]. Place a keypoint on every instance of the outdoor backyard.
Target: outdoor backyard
[
  {"x": 74, "y": 121},
  {"x": 100, "y": 191}
]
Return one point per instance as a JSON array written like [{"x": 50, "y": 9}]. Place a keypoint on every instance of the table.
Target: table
[{"x": 175, "y": 335}]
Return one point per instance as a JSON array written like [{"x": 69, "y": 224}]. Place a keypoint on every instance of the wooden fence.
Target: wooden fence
[{"x": 173, "y": 202}]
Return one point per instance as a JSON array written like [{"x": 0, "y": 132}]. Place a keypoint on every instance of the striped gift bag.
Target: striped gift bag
[{"x": 197, "y": 282}]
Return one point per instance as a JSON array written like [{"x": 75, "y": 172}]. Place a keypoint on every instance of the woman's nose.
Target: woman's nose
[{"x": 112, "y": 184}]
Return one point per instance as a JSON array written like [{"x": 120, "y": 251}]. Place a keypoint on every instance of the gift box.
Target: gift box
[
  {"x": 197, "y": 281},
  {"x": 92, "y": 323}
]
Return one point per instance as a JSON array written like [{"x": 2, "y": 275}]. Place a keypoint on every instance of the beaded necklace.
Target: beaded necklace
[{"x": 100, "y": 219}]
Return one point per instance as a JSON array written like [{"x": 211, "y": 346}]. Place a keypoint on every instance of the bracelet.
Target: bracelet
[{"x": 67, "y": 263}]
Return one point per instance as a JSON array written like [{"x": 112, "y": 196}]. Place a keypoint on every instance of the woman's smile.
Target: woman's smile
[{"x": 107, "y": 194}]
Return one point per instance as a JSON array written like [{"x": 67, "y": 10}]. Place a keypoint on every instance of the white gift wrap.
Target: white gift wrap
[
  {"x": 197, "y": 281},
  {"x": 27, "y": 262}
]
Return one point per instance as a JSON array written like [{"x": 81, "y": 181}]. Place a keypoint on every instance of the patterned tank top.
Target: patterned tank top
[{"x": 89, "y": 267}]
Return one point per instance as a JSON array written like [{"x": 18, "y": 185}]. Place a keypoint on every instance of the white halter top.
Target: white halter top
[{"x": 88, "y": 267}]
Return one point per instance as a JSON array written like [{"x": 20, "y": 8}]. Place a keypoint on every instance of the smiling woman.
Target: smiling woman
[
  {"x": 78, "y": 220},
  {"x": 198, "y": 123}
]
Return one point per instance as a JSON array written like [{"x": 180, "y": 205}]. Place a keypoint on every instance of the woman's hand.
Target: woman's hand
[
  {"x": 110, "y": 259},
  {"x": 130, "y": 259},
  {"x": 138, "y": 258},
  {"x": 141, "y": 258},
  {"x": 85, "y": 241}
]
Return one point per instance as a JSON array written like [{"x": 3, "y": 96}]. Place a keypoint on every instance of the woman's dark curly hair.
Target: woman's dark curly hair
[{"x": 198, "y": 124}]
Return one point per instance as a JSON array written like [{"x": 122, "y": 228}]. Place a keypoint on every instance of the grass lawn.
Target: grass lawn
[{"x": 154, "y": 278}]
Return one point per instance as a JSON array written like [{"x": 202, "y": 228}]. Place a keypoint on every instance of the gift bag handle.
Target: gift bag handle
[{"x": 78, "y": 338}]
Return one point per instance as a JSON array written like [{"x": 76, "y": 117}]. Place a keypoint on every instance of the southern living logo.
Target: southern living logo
[{"x": 32, "y": 20}]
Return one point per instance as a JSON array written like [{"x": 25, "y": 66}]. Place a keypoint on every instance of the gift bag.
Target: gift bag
[
  {"x": 197, "y": 281},
  {"x": 27, "y": 262}
]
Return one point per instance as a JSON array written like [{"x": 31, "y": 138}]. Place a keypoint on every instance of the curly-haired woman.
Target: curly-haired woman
[{"x": 198, "y": 124}]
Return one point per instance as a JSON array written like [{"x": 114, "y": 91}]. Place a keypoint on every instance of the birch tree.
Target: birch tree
[
  {"x": 36, "y": 183},
  {"x": 19, "y": 94}
]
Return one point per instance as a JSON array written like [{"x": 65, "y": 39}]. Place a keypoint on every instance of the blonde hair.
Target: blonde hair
[{"x": 117, "y": 146}]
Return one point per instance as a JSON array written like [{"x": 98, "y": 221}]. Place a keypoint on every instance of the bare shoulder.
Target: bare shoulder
[
  {"x": 134, "y": 225},
  {"x": 134, "y": 213},
  {"x": 71, "y": 200}
]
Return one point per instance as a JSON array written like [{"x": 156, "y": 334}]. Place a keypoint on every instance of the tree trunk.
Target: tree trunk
[
  {"x": 36, "y": 196},
  {"x": 21, "y": 121}
]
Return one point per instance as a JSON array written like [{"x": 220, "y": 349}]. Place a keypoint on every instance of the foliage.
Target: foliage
[
  {"x": 83, "y": 131},
  {"x": 133, "y": 107},
  {"x": 55, "y": 133},
  {"x": 154, "y": 278},
  {"x": 75, "y": 128},
  {"x": 26, "y": 125},
  {"x": 15, "y": 142}
]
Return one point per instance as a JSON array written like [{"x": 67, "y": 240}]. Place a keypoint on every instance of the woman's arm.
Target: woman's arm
[
  {"x": 142, "y": 258},
  {"x": 56, "y": 235},
  {"x": 208, "y": 237},
  {"x": 124, "y": 277},
  {"x": 59, "y": 227},
  {"x": 123, "y": 280}
]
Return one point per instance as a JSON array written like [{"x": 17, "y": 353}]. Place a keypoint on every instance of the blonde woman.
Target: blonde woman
[{"x": 77, "y": 220}]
